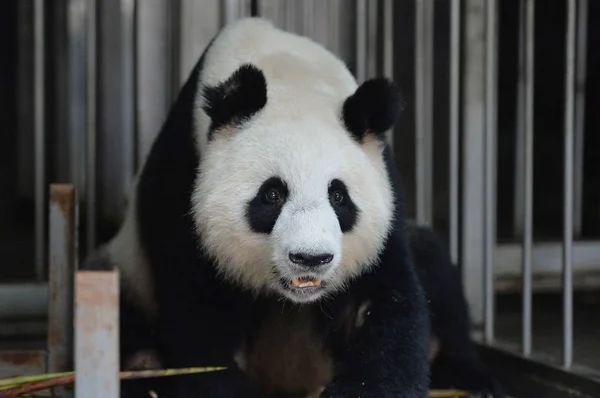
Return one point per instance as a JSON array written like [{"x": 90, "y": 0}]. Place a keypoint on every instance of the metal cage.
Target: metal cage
[{"x": 496, "y": 149}]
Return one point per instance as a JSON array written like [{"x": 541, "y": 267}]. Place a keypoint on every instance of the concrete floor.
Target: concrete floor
[{"x": 547, "y": 326}]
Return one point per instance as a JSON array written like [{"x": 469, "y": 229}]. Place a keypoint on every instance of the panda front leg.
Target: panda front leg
[
  {"x": 388, "y": 355},
  {"x": 205, "y": 334}
]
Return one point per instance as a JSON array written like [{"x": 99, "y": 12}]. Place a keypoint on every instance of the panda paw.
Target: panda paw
[{"x": 465, "y": 374}]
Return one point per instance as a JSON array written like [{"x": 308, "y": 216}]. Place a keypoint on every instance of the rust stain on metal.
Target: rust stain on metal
[
  {"x": 17, "y": 363},
  {"x": 64, "y": 196},
  {"x": 96, "y": 353},
  {"x": 97, "y": 289},
  {"x": 63, "y": 257}
]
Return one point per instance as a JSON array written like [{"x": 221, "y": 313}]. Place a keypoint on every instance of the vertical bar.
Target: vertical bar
[
  {"x": 90, "y": 100},
  {"x": 490, "y": 163},
  {"x": 568, "y": 187},
  {"x": 388, "y": 52},
  {"x": 334, "y": 14},
  {"x": 527, "y": 189},
  {"x": 199, "y": 21},
  {"x": 25, "y": 99},
  {"x": 454, "y": 125},
  {"x": 361, "y": 40},
  {"x": 156, "y": 70},
  {"x": 40, "y": 137},
  {"x": 97, "y": 334},
  {"x": 229, "y": 11},
  {"x": 580, "y": 78},
  {"x": 473, "y": 147},
  {"x": 424, "y": 109},
  {"x": 308, "y": 19},
  {"x": 128, "y": 11},
  {"x": 63, "y": 263},
  {"x": 519, "y": 211},
  {"x": 76, "y": 89},
  {"x": 372, "y": 9}
]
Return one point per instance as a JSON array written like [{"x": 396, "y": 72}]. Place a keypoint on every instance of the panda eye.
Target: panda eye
[
  {"x": 273, "y": 195},
  {"x": 337, "y": 197}
]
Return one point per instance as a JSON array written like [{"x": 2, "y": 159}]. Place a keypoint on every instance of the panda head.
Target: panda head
[{"x": 292, "y": 195}]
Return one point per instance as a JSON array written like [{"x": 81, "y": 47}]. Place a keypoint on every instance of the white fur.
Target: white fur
[{"x": 298, "y": 137}]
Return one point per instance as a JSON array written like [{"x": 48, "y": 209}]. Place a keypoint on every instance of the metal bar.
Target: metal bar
[
  {"x": 388, "y": 52},
  {"x": 536, "y": 377},
  {"x": 361, "y": 40},
  {"x": 490, "y": 163},
  {"x": 40, "y": 138},
  {"x": 128, "y": 93},
  {"x": 473, "y": 147},
  {"x": 22, "y": 363},
  {"x": 372, "y": 9},
  {"x": 157, "y": 41},
  {"x": 424, "y": 109},
  {"x": 230, "y": 11},
  {"x": 308, "y": 25},
  {"x": 580, "y": 79},
  {"x": 519, "y": 211},
  {"x": 568, "y": 187},
  {"x": 199, "y": 22},
  {"x": 76, "y": 103},
  {"x": 528, "y": 130},
  {"x": 23, "y": 300},
  {"x": 91, "y": 154},
  {"x": 454, "y": 125},
  {"x": 22, "y": 329},
  {"x": 334, "y": 14},
  {"x": 547, "y": 258},
  {"x": 63, "y": 263},
  {"x": 97, "y": 334}
]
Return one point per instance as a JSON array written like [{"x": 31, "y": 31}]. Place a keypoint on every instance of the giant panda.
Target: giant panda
[{"x": 266, "y": 233}]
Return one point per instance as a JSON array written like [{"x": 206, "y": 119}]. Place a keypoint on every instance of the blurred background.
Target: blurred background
[{"x": 498, "y": 147}]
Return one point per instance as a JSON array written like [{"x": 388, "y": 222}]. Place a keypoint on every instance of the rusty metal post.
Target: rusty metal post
[
  {"x": 97, "y": 334},
  {"x": 63, "y": 250}
]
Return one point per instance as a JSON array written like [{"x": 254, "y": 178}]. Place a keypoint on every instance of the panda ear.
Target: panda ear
[
  {"x": 236, "y": 99},
  {"x": 374, "y": 108}
]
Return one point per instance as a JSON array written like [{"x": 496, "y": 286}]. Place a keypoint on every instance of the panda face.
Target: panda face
[
  {"x": 296, "y": 207},
  {"x": 292, "y": 195}
]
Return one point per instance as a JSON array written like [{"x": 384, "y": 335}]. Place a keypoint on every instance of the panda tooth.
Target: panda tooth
[{"x": 306, "y": 282}]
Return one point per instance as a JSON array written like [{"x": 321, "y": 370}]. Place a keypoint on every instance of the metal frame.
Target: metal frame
[
  {"x": 86, "y": 299},
  {"x": 97, "y": 334},
  {"x": 63, "y": 249},
  {"x": 534, "y": 376},
  {"x": 525, "y": 266}
]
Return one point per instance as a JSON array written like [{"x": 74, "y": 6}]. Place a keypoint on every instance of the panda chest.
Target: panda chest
[{"x": 287, "y": 355}]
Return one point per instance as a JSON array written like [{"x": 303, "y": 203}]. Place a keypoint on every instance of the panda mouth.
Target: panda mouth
[{"x": 306, "y": 282}]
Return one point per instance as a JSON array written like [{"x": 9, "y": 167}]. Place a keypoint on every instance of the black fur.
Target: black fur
[
  {"x": 374, "y": 108},
  {"x": 236, "y": 99},
  {"x": 202, "y": 319},
  {"x": 456, "y": 366},
  {"x": 346, "y": 211},
  {"x": 262, "y": 213}
]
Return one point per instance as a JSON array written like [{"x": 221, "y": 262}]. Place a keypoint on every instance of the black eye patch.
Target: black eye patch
[
  {"x": 345, "y": 209},
  {"x": 264, "y": 209}
]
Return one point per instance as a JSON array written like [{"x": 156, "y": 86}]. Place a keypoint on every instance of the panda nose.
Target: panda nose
[{"x": 310, "y": 260}]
